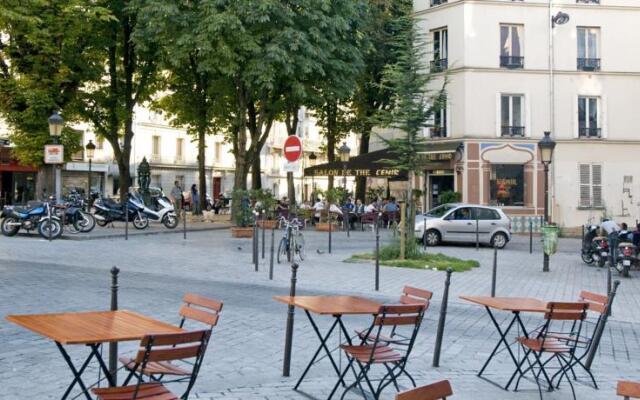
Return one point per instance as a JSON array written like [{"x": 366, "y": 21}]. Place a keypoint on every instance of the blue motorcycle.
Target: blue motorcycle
[{"x": 36, "y": 215}]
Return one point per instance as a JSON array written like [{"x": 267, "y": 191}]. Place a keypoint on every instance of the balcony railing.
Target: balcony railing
[
  {"x": 588, "y": 1},
  {"x": 438, "y": 131},
  {"x": 437, "y": 2},
  {"x": 439, "y": 65},
  {"x": 511, "y": 62},
  {"x": 513, "y": 131},
  {"x": 589, "y": 64},
  {"x": 589, "y": 132}
]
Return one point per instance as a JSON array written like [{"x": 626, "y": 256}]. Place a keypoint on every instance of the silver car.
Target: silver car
[{"x": 457, "y": 223}]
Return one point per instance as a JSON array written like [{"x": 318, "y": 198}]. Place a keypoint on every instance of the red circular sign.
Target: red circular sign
[{"x": 292, "y": 148}]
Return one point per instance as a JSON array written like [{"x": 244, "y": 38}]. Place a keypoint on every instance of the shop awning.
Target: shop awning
[{"x": 373, "y": 164}]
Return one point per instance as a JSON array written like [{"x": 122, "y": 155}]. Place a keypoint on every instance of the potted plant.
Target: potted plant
[
  {"x": 331, "y": 196},
  {"x": 266, "y": 206},
  {"x": 243, "y": 216}
]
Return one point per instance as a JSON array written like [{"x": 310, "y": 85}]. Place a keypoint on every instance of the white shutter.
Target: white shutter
[
  {"x": 596, "y": 185},
  {"x": 585, "y": 185}
]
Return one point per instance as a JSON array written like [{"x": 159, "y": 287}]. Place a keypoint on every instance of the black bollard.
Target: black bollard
[
  {"x": 597, "y": 336},
  {"x": 477, "y": 232},
  {"x": 329, "y": 218},
  {"x": 254, "y": 256},
  {"x": 288, "y": 341},
  {"x": 113, "y": 347},
  {"x": 494, "y": 272},
  {"x": 530, "y": 236},
  {"x": 263, "y": 229},
  {"x": 273, "y": 234},
  {"x": 256, "y": 244},
  {"x": 424, "y": 233},
  {"x": 442, "y": 320},
  {"x": 377, "y": 254},
  {"x": 609, "y": 286},
  {"x": 126, "y": 219},
  {"x": 184, "y": 221}
]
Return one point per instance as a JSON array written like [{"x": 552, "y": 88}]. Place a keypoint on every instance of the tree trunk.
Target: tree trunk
[
  {"x": 361, "y": 181},
  {"x": 331, "y": 152},
  {"x": 202, "y": 174},
  {"x": 256, "y": 175}
]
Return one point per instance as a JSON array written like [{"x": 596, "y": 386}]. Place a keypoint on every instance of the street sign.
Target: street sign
[
  {"x": 54, "y": 154},
  {"x": 291, "y": 166},
  {"x": 292, "y": 148}
]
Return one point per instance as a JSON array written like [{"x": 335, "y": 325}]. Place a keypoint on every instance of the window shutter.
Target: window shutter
[
  {"x": 498, "y": 114},
  {"x": 585, "y": 185},
  {"x": 596, "y": 181}
]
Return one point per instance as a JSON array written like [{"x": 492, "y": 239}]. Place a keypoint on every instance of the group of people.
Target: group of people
[
  {"x": 620, "y": 233},
  {"x": 353, "y": 211}
]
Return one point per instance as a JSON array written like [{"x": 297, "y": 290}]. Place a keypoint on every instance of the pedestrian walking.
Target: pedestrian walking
[
  {"x": 176, "y": 196},
  {"x": 195, "y": 199}
]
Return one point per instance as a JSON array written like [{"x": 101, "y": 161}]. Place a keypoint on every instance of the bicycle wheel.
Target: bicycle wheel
[
  {"x": 282, "y": 250},
  {"x": 300, "y": 247}
]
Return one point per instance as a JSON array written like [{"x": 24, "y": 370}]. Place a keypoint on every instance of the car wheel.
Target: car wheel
[
  {"x": 432, "y": 237},
  {"x": 499, "y": 240}
]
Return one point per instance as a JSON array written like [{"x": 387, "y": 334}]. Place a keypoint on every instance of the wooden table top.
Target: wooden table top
[
  {"x": 518, "y": 304},
  {"x": 332, "y": 305},
  {"x": 92, "y": 327},
  {"x": 629, "y": 389}
]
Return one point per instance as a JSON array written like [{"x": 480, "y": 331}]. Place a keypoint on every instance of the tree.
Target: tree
[
  {"x": 336, "y": 122},
  {"x": 410, "y": 82},
  {"x": 370, "y": 97},
  {"x": 47, "y": 53}
]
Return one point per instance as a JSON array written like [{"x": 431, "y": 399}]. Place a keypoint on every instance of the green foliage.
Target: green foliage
[
  {"x": 450, "y": 197},
  {"x": 376, "y": 192},
  {"x": 332, "y": 196},
  {"x": 242, "y": 214},
  {"x": 265, "y": 201}
]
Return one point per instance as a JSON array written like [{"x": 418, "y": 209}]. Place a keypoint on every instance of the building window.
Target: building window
[
  {"x": 512, "y": 118},
  {"x": 179, "y": 149},
  {"x": 437, "y": 2},
  {"x": 99, "y": 143},
  {"x": 590, "y": 185},
  {"x": 218, "y": 152},
  {"x": 507, "y": 184},
  {"x": 511, "y": 46},
  {"x": 440, "y": 50},
  {"x": 155, "y": 146},
  {"x": 439, "y": 128},
  {"x": 588, "y": 49},
  {"x": 588, "y": 118},
  {"x": 156, "y": 180}
]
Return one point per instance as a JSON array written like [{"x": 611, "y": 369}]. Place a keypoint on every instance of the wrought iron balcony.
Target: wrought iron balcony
[
  {"x": 511, "y": 62},
  {"x": 589, "y": 132},
  {"x": 437, "y": 2},
  {"x": 512, "y": 131},
  {"x": 588, "y": 1},
  {"x": 439, "y": 65},
  {"x": 589, "y": 64},
  {"x": 438, "y": 131}
]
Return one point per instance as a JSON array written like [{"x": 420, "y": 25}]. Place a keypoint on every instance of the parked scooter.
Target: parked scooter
[
  {"x": 108, "y": 211},
  {"x": 588, "y": 249},
  {"x": 600, "y": 250},
  {"x": 161, "y": 211},
  {"x": 36, "y": 215}
]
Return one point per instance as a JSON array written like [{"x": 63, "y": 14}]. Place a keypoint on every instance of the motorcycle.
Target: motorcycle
[
  {"x": 36, "y": 215},
  {"x": 600, "y": 250},
  {"x": 161, "y": 211},
  {"x": 588, "y": 249},
  {"x": 73, "y": 216},
  {"x": 108, "y": 211},
  {"x": 627, "y": 254}
]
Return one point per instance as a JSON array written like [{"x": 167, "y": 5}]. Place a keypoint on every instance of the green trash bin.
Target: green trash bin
[{"x": 550, "y": 235}]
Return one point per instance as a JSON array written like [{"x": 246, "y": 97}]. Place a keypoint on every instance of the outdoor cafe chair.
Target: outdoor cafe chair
[
  {"x": 410, "y": 295},
  {"x": 546, "y": 342},
  {"x": 198, "y": 309},
  {"x": 380, "y": 352},
  {"x": 368, "y": 219},
  {"x": 160, "y": 349},
  {"x": 435, "y": 391},
  {"x": 628, "y": 390}
]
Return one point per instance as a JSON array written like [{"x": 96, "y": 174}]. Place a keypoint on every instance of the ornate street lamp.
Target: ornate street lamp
[
  {"x": 345, "y": 154},
  {"x": 90, "y": 148},
  {"x": 546, "y": 146},
  {"x": 56, "y": 123}
]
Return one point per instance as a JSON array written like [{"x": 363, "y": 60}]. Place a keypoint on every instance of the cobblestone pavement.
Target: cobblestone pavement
[{"x": 244, "y": 360}]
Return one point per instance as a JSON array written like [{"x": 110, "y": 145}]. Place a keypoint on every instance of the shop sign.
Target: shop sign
[
  {"x": 437, "y": 156},
  {"x": 380, "y": 172},
  {"x": 54, "y": 154}
]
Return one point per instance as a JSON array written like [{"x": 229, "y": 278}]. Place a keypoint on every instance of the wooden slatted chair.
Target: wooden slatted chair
[
  {"x": 435, "y": 391},
  {"x": 198, "y": 309},
  {"x": 160, "y": 349},
  {"x": 380, "y": 352},
  {"x": 410, "y": 295},
  {"x": 547, "y": 342},
  {"x": 629, "y": 390}
]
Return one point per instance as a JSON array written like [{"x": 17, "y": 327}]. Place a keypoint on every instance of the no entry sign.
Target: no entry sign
[{"x": 292, "y": 148}]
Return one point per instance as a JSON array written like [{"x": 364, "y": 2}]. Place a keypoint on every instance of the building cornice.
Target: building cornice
[
  {"x": 534, "y": 140},
  {"x": 454, "y": 3},
  {"x": 541, "y": 71}
]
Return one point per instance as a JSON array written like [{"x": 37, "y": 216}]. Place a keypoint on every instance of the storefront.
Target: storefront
[{"x": 17, "y": 181}]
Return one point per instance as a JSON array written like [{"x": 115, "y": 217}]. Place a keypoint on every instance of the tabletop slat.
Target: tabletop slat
[
  {"x": 93, "y": 326},
  {"x": 514, "y": 304},
  {"x": 332, "y": 305}
]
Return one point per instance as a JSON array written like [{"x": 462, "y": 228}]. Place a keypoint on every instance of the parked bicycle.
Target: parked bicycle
[{"x": 292, "y": 242}]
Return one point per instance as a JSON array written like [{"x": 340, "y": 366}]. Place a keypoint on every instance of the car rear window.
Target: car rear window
[{"x": 487, "y": 214}]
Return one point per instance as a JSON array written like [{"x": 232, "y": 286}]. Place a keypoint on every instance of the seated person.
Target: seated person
[
  {"x": 371, "y": 207},
  {"x": 462, "y": 214},
  {"x": 359, "y": 208}
]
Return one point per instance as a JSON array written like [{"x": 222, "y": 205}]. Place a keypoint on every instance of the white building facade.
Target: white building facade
[{"x": 514, "y": 74}]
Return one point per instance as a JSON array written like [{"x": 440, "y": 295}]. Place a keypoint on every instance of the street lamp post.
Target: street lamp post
[
  {"x": 312, "y": 163},
  {"x": 56, "y": 123},
  {"x": 546, "y": 146},
  {"x": 91, "y": 148},
  {"x": 345, "y": 153}
]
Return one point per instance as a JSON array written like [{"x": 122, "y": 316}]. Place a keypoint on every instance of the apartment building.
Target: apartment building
[{"x": 519, "y": 68}]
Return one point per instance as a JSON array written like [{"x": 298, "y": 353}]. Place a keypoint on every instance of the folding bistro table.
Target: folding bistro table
[
  {"x": 515, "y": 305},
  {"x": 335, "y": 306},
  {"x": 91, "y": 329}
]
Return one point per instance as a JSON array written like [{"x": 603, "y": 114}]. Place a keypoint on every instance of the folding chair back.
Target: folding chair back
[
  {"x": 565, "y": 312},
  {"x": 597, "y": 302},
  {"x": 172, "y": 347},
  {"x": 394, "y": 316},
  {"x": 200, "y": 309},
  {"x": 412, "y": 295},
  {"x": 435, "y": 391}
]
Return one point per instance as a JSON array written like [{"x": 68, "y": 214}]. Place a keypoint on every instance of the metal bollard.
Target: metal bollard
[
  {"x": 609, "y": 286},
  {"x": 263, "y": 229},
  {"x": 530, "y": 236},
  {"x": 126, "y": 219},
  {"x": 113, "y": 347},
  {"x": 424, "y": 233},
  {"x": 477, "y": 233},
  {"x": 597, "y": 336},
  {"x": 442, "y": 320},
  {"x": 288, "y": 341},
  {"x": 329, "y": 217},
  {"x": 377, "y": 254},
  {"x": 494, "y": 272},
  {"x": 184, "y": 221},
  {"x": 254, "y": 256},
  {"x": 273, "y": 234}
]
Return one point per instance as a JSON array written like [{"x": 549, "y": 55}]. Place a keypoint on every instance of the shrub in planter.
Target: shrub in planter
[
  {"x": 243, "y": 216},
  {"x": 450, "y": 197}
]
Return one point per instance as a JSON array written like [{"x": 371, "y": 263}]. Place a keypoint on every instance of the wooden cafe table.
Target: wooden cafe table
[
  {"x": 91, "y": 329},
  {"x": 515, "y": 305},
  {"x": 335, "y": 306}
]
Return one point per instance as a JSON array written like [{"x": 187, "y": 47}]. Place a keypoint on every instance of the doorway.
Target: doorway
[
  {"x": 437, "y": 185},
  {"x": 217, "y": 187}
]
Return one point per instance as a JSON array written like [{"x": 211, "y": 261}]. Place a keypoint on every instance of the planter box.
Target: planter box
[
  {"x": 238, "y": 232},
  {"x": 324, "y": 227},
  {"x": 268, "y": 224}
]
